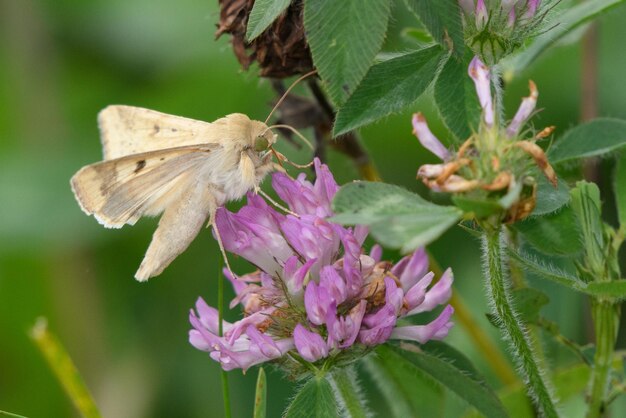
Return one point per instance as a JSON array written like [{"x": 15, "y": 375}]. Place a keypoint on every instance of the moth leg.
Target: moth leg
[
  {"x": 213, "y": 224},
  {"x": 275, "y": 203}
]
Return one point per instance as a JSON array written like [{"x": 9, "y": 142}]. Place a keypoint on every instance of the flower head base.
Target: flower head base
[
  {"x": 491, "y": 169},
  {"x": 495, "y": 28},
  {"x": 316, "y": 299}
]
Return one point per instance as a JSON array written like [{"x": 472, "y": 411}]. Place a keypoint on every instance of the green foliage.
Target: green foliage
[
  {"x": 529, "y": 302},
  {"x": 597, "y": 137},
  {"x": 468, "y": 387},
  {"x": 348, "y": 393},
  {"x": 549, "y": 199},
  {"x": 398, "y": 386},
  {"x": 479, "y": 207},
  {"x": 563, "y": 24},
  {"x": 456, "y": 99},
  {"x": 397, "y": 218},
  {"x": 619, "y": 181},
  {"x": 260, "y": 398},
  {"x": 263, "y": 13},
  {"x": 555, "y": 233},
  {"x": 344, "y": 37},
  {"x": 314, "y": 400},
  {"x": 388, "y": 87},
  {"x": 442, "y": 18},
  {"x": 586, "y": 204},
  {"x": 533, "y": 265}
]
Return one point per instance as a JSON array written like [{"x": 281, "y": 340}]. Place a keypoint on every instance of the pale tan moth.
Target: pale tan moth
[{"x": 155, "y": 163}]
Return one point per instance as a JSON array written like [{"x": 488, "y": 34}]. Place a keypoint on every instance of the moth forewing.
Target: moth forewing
[
  {"x": 128, "y": 130},
  {"x": 119, "y": 191},
  {"x": 158, "y": 163}
]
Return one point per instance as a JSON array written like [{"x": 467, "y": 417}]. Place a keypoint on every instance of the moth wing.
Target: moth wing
[
  {"x": 120, "y": 191},
  {"x": 178, "y": 226},
  {"x": 127, "y": 130}
]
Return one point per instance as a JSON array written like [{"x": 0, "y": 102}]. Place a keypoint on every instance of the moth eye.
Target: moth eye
[{"x": 261, "y": 144}]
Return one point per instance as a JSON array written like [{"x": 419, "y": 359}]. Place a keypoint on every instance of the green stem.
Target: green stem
[
  {"x": 348, "y": 393},
  {"x": 605, "y": 318},
  {"x": 220, "y": 312},
  {"x": 513, "y": 329}
]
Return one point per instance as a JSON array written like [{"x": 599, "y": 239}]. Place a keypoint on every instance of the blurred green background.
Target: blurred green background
[{"x": 60, "y": 63}]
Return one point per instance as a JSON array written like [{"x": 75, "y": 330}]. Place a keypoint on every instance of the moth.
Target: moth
[{"x": 184, "y": 169}]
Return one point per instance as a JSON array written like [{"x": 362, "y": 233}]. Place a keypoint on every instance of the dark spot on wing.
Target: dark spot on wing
[
  {"x": 162, "y": 158},
  {"x": 140, "y": 165},
  {"x": 156, "y": 129},
  {"x": 174, "y": 130}
]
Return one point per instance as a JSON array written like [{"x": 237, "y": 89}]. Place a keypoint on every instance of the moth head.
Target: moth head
[{"x": 263, "y": 141}]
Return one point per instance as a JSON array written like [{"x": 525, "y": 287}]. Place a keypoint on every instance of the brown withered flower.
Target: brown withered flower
[
  {"x": 494, "y": 167},
  {"x": 281, "y": 50}
]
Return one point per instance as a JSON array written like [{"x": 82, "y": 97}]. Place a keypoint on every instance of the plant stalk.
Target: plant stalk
[
  {"x": 514, "y": 331},
  {"x": 220, "y": 313},
  {"x": 605, "y": 318}
]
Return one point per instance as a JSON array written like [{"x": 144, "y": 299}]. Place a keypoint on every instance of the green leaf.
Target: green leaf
[
  {"x": 480, "y": 208},
  {"x": 419, "y": 37},
  {"x": 586, "y": 204},
  {"x": 597, "y": 137},
  {"x": 407, "y": 394},
  {"x": 532, "y": 264},
  {"x": 397, "y": 218},
  {"x": 562, "y": 24},
  {"x": 344, "y": 37},
  {"x": 549, "y": 199},
  {"x": 314, "y": 400},
  {"x": 554, "y": 233},
  {"x": 263, "y": 13},
  {"x": 474, "y": 392},
  {"x": 348, "y": 393},
  {"x": 442, "y": 18},
  {"x": 260, "y": 398},
  {"x": 619, "y": 181},
  {"x": 529, "y": 302},
  {"x": 388, "y": 87},
  {"x": 456, "y": 99}
]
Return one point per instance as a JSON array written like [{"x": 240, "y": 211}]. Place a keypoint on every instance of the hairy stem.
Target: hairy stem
[
  {"x": 514, "y": 331},
  {"x": 483, "y": 341},
  {"x": 605, "y": 318}
]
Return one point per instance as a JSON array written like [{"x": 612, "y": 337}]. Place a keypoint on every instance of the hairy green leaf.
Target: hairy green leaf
[
  {"x": 587, "y": 206},
  {"x": 562, "y": 24},
  {"x": 263, "y": 13},
  {"x": 260, "y": 398},
  {"x": 554, "y": 233},
  {"x": 475, "y": 392},
  {"x": 619, "y": 182},
  {"x": 597, "y": 137},
  {"x": 344, "y": 37},
  {"x": 442, "y": 18},
  {"x": 388, "y": 87},
  {"x": 348, "y": 393},
  {"x": 314, "y": 400},
  {"x": 456, "y": 99},
  {"x": 399, "y": 387},
  {"x": 550, "y": 199},
  {"x": 532, "y": 264},
  {"x": 397, "y": 218}
]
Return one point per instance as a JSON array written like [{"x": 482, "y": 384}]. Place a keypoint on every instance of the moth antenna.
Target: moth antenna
[
  {"x": 296, "y": 132},
  {"x": 282, "y": 98},
  {"x": 275, "y": 203}
]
